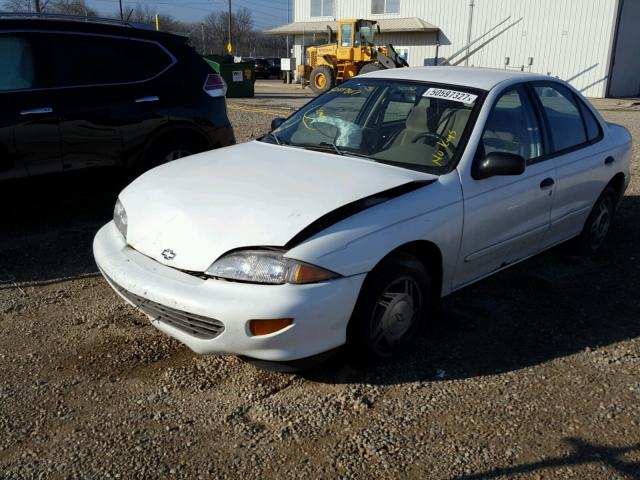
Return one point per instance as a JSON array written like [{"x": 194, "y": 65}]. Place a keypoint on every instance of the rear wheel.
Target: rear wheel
[
  {"x": 391, "y": 310},
  {"x": 321, "y": 79},
  {"x": 598, "y": 223},
  {"x": 370, "y": 67}
]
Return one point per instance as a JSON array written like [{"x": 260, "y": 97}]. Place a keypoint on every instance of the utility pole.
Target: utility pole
[
  {"x": 37, "y": 6},
  {"x": 288, "y": 78},
  {"x": 204, "y": 44},
  {"x": 121, "y": 14}
]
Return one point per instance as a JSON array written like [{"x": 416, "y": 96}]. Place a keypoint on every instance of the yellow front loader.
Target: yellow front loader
[{"x": 353, "y": 53}]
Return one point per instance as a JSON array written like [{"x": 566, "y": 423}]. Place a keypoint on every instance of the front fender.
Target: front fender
[{"x": 355, "y": 245}]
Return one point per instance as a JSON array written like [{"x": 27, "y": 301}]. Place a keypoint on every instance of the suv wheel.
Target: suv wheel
[{"x": 171, "y": 149}]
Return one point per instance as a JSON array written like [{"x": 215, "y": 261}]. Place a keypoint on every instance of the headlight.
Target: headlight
[
  {"x": 265, "y": 266},
  {"x": 120, "y": 218}
]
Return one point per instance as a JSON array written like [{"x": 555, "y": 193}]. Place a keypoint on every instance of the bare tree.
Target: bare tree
[
  {"x": 242, "y": 33},
  {"x": 26, "y": 5},
  {"x": 72, "y": 7},
  {"x": 67, "y": 7}
]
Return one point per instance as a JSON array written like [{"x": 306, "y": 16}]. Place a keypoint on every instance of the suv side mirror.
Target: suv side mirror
[
  {"x": 501, "y": 163},
  {"x": 276, "y": 122}
]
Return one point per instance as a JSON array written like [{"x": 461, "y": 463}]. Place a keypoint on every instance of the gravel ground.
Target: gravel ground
[{"x": 533, "y": 373}]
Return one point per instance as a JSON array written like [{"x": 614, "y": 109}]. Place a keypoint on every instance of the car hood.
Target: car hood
[{"x": 250, "y": 195}]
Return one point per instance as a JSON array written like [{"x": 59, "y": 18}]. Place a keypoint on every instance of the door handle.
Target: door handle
[
  {"x": 151, "y": 98},
  {"x": 609, "y": 160},
  {"x": 547, "y": 182},
  {"x": 36, "y": 111}
]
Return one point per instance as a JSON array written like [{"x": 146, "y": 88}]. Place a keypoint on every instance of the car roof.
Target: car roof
[
  {"x": 85, "y": 25},
  {"x": 474, "y": 77}
]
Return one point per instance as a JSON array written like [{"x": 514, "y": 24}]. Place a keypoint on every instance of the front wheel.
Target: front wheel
[
  {"x": 321, "y": 79},
  {"x": 391, "y": 310},
  {"x": 598, "y": 223}
]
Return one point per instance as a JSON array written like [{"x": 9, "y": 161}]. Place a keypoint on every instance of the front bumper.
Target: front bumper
[{"x": 320, "y": 311}]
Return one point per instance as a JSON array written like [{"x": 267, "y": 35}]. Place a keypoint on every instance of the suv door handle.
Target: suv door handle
[
  {"x": 36, "y": 111},
  {"x": 546, "y": 183},
  {"x": 151, "y": 98}
]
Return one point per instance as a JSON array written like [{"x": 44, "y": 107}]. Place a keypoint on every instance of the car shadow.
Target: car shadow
[
  {"x": 49, "y": 223},
  {"x": 582, "y": 453},
  {"x": 550, "y": 306}
]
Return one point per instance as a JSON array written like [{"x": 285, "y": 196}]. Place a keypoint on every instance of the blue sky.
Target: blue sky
[{"x": 266, "y": 13}]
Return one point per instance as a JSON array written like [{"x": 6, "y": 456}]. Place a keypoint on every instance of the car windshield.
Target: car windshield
[{"x": 413, "y": 125}]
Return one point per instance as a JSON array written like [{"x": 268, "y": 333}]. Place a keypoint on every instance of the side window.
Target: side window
[
  {"x": 385, "y": 6},
  {"x": 16, "y": 72},
  {"x": 321, "y": 8},
  {"x": 591, "y": 124},
  {"x": 77, "y": 60},
  {"x": 563, "y": 116},
  {"x": 512, "y": 127},
  {"x": 345, "y": 34}
]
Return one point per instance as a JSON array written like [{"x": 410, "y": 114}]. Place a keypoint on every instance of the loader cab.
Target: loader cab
[{"x": 353, "y": 35}]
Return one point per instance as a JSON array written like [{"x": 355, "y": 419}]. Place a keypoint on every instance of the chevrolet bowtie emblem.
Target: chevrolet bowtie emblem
[{"x": 168, "y": 254}]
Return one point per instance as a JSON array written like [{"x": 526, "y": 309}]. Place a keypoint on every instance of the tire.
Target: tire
[
  {"x": 370, "y": 67},
  {"x": 598, "y": 223},
  {"x": 391, "y": 310},
  {"x": 321, "y": 79},
  {"x": 169, "y": 149}
]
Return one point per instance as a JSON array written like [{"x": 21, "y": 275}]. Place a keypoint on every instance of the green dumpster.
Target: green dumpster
[{"x": 239, "y": 77}]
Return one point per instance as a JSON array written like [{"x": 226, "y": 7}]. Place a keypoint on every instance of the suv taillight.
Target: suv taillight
[{"x": 215, "y": 86}]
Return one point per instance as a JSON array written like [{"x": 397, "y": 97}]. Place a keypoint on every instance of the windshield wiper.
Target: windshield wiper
[
  {"x": 326, "y": 147},
  {"x": 274, "y": 136}
]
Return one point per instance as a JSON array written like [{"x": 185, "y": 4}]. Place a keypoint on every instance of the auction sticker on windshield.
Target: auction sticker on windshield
[{"x": 463, "y": 97}]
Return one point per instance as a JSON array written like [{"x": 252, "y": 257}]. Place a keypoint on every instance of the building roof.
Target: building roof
[
  {"x": 387, "y": 25},
  {"x": 482, "y": 78}
]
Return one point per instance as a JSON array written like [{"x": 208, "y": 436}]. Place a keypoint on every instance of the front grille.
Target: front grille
[{"x": 196, "y": 325}]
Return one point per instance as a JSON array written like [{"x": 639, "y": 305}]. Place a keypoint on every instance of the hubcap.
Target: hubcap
[
  {"x": 175, "y": 155},
  {"x": 601, "y": 224},
  {"x": 321, "y": 81},
  {"x": 394, "y": 314}
]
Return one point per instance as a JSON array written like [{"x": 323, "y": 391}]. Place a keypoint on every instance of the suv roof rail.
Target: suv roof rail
[{"x": 75, "y": 18}]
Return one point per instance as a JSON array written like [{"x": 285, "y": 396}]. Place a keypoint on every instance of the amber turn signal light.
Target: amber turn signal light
[{"x": 265, "y": 327}]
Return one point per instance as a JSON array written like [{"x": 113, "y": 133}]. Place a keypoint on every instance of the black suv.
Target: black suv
[{"x": 78, "y": 93}]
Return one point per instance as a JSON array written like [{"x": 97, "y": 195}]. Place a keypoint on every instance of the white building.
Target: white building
[{"x": 594, "y": 44}]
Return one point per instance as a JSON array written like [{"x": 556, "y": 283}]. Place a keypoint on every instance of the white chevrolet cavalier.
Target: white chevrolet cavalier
[{"x": 347, "y": 222}]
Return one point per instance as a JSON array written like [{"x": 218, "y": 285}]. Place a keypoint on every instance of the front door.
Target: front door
[{"x": 506, "y": 217}]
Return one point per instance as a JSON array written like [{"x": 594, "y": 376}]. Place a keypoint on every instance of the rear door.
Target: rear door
[
  {"x": 106, "y": 97},
  {"x": 581, "y": 160},
  {"x": 29, "y": 132}
]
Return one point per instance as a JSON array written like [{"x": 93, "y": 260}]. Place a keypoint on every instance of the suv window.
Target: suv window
[
  {"x": 17, "y": 64},
  {"x": 563, "y": 116},
  {"x": 512, "y": 127},
  {"x": 77, "y": 60}
]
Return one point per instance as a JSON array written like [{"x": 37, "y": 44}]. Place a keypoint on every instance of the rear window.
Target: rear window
[
  {"x": 563, "y": 115},
  {"x": 78, "y": 60},
  {"x": 590, "y": 123},
  {"x": 16, "y": 72}
]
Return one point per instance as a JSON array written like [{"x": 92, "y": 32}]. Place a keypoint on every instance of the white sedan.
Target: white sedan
[{"x": 347, "y": 222}]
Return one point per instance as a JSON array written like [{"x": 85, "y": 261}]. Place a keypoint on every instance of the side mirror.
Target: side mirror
[
  {"x": 501, "y": 163},
  {"x": 276, "y": 122}
]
